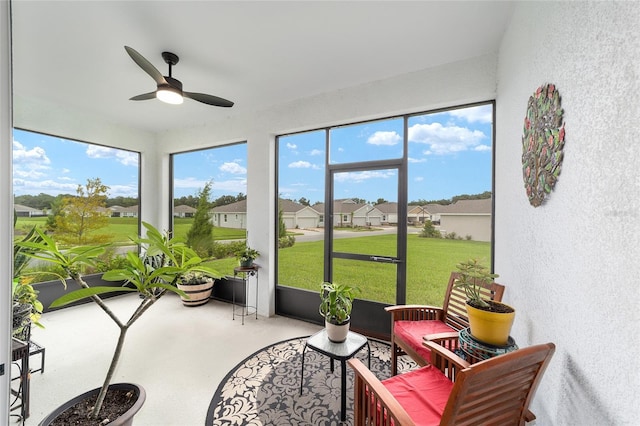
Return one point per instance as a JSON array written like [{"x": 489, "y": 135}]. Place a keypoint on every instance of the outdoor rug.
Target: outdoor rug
[{"x": 264, "y": 389}]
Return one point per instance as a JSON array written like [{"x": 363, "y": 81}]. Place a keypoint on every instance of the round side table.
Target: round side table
[{"x": 473, "y": 350}]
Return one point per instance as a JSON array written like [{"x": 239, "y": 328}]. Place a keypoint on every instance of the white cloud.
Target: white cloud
[
  {"x": 300, "y": 165},
  {"x": 126, "y": 158},
  {"x": 123, "y": 190},
  {"x": 384, "y": 138},
  {"x": 316, "y": 152},
  {"x": 190, "y": 183},
  {"x": 233, "y": 168},
  {"x": 291, "y": 145},
  {"x": 445, "y": 139},
  {"x": 418, "y": 179},
  {"x": 479, "y": 114},
  {"x": 25, "y": 186},
  {"x": 36, "y": 156},
  {"x": 219, "y": 186},
  {"x": 230, "y": 186},
  {"x": 29, "y": 164},
  {"x": 482, "y": 148},
  {"x": 416, "y": 160},
  {"x": 360, "y": 177}
]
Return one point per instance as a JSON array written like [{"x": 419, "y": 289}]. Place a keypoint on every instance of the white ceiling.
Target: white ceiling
[{"x": 256, "y": 54}]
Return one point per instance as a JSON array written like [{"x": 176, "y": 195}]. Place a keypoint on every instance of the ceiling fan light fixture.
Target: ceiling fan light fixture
[{"x": 169, "y": 95}]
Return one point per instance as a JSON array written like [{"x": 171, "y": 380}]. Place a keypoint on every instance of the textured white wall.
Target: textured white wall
[{"x": 571, "y": 265}]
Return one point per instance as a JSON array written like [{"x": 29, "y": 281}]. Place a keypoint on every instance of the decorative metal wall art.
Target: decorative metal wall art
[{"x": 542, "y": 143}]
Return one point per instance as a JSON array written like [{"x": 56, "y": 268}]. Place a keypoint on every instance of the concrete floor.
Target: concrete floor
[{"x": 178, "y": 354}]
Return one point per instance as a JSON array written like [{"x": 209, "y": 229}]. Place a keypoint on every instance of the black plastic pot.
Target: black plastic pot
[{"x": 125, "y": 419}]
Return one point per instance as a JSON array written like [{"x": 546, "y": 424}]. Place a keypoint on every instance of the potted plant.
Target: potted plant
[
  {"x": 26, "y": 307},
  {"x": 336, "y": 302},
  {"x": 489, "y": 321},
  {"x": 246, "y": 256},
  {"x": 197, "y": 286},
  {"x": 137, "y": 275}
]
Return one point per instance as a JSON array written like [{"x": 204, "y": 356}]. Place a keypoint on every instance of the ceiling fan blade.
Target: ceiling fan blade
[
  {"x": 146, "y": 65},
  {"x": 208, "y": 99},
  {"x": 144, "y": 96}
]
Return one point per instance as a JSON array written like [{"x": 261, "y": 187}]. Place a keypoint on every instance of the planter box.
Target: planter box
[{"x": 222, "y": 289}]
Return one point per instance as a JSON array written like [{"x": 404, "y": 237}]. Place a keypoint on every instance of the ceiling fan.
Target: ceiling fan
[{"x": 170, "y": 89}]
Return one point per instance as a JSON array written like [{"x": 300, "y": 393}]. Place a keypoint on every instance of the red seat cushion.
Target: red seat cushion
[
  {"x": 412, "y": 333},
  {"x": 423, "y": 393}
]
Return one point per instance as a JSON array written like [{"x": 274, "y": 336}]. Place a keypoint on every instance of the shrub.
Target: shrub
[
  {"x": 286, "y": 241},
  {"x": 430, "y": 231},
  {"x": 223, "y": 250}
]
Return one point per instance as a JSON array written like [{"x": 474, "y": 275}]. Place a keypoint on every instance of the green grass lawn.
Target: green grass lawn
[
  {"x": 429, "y": 261},
  {"x": 429, "y": 264},
  {"x": 121, "y": 228}
]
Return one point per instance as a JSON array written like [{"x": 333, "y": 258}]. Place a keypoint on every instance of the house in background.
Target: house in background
[
  {"x": 348, "y": 213},
  {"x": 469, "y": 219},
  {"x": 298, "y": 216},
  {"x": 119, "y": 211},
  {"x": 183, "y": 211},
  {"x": 389, "y": 213},
  {"x": 24, "y": 211},
  {"x": 232, "y": 215}
]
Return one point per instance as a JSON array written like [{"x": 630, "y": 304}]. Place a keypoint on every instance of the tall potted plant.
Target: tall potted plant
[
  {"x": 336, "y": 302},
  {"x": 489, "y": 321},
  {"x": 138, "y": 275}
]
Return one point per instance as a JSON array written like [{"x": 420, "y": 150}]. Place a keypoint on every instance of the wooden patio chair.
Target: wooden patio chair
[
  {"x": 450, "y": 391},
  {"x": 411, "y": 323}
]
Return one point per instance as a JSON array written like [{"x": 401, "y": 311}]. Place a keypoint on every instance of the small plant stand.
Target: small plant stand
[
  {"x": 246, "y": 272},
  {"x": 473, "y": 350}
]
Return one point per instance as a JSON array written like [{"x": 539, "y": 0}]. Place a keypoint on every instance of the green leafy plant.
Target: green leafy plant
[
  {"x": 246, "y": 254},
  {"x": 23, "y": 293},
  {"x": 166, "y": 260},
  {"x": 191, "y": 278},
  {"x": 472, "y": 274},
  {"x": 336, "y": 302}
]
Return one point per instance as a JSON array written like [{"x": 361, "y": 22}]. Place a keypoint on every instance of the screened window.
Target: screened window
[
  {"x": 80, "y": 193},
  {"x": 219, "y": 175},
  {"x": 441, "y": 165}
]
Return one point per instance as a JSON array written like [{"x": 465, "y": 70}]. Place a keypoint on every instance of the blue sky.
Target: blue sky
[
  {"x": 52, "y": 165},
  {"x": 449, "y": 154}
]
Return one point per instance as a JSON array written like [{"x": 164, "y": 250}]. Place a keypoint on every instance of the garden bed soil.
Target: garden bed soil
[{"x": 116, "y": 403}]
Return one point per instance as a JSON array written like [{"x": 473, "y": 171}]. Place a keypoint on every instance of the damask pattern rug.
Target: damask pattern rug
[{"x": 264, "y": 389}]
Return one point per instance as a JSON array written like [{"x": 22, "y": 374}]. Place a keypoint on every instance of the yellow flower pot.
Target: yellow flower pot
[{"x": 490, "y": 327}]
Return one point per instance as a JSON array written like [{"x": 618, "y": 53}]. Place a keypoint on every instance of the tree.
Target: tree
[
  {"x": 381, "y": 201},
  {"x": 200, "y": 235},
  {"x": 80, "y": 216},
  {"x": 304, "y": 201},
  {"x": 56, "y": 210},
  {"x": 282, "y": 228},
  {"x": 429, "y": 231}
]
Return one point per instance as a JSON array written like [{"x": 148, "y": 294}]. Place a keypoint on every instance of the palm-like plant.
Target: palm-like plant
[{"x": 150, "y": 280}]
